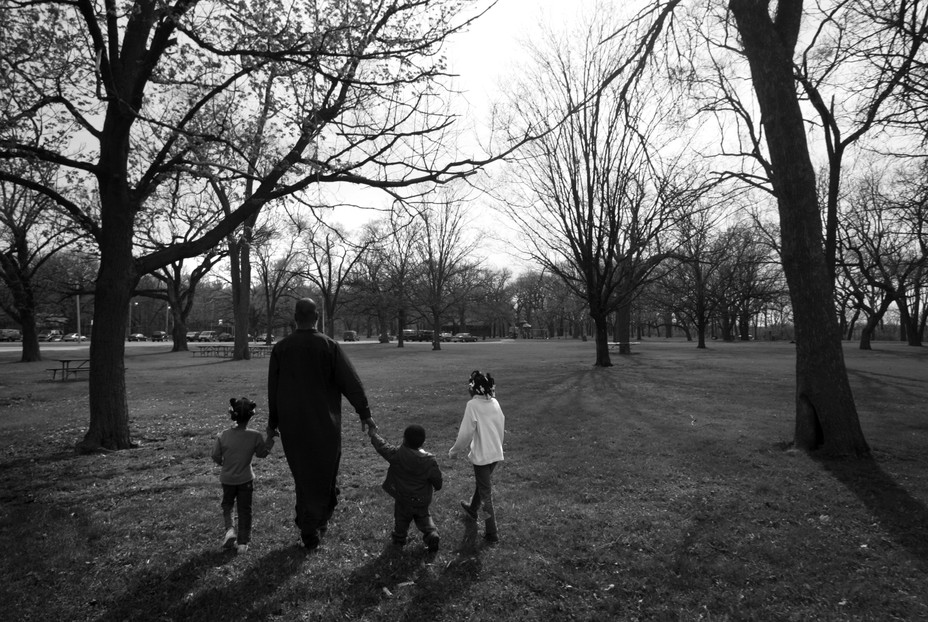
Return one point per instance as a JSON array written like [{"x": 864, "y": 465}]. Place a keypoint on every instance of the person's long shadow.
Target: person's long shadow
[
  {"x": 394, "y": 567},
  {"x": 902, "y": 515},
  {"x": 154, "y": 596}
]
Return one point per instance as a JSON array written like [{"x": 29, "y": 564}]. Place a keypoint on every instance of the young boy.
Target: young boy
[
  {"x": 411, "y": 478},
  {"x": 233, "y": 451}
]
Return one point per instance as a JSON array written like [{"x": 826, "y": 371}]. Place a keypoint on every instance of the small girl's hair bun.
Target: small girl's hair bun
[
  {"x": 241, "y": 409},
  {"x": 482, "y": 384}
]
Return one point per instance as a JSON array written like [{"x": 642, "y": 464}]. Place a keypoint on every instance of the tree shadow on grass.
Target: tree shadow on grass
[
  {"x": 901, "y": 514},
  {"x": 178, "y": 595},
  {"x": 397, "y": 569}
]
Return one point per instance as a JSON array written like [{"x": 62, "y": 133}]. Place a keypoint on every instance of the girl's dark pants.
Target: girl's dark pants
[
  {"x": 241, "y": 495},
  {"x": 483, "y": 495}
]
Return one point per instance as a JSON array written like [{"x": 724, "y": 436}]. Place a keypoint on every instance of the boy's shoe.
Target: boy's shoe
[
  {"x": 228, "y": 540},
  {"x": 432, "y": 541},
  {"x": 242, "y": 548},
  {"x": 470, "y": 512},
  {"x": 491, "y": 538}
]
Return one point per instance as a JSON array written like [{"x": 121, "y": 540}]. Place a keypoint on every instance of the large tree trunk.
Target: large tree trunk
[
  {"x": 109, "y": 410},
  {"x": 826, "y": 416},
  {"x": 623, "y": 319},
  {"x": 872, "y": 321},
  {"x": 912, "y": 336},
  {"x": 24, "y": 305},
  {"x": 866, "y": 334},
  {"x": 178, "y": 326},
  {"x": 602, "y": 339},
  {"x": 31, "y": 351},
  {"x": 436, "y": 330},
  {"x": 116, "y": 280},
  {"x": 401, "y": 321},
  {"x": 241, "y": 293}
]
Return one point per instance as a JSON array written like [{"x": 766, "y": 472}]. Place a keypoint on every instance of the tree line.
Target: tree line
[{"x": 162, "y": 132}]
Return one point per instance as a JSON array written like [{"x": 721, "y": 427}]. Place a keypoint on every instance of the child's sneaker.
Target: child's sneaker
[
  {"x": 242, "y": 548},
  {"x": 432, "y": 541},
  {"x": 228, "y": 540}
]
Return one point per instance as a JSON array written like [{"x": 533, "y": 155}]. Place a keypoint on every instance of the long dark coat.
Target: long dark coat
[{"x": 307, "y": 377}]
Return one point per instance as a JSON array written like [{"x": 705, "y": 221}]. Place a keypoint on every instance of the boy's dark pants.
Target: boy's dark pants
[
  {"x": 404, "y": 514},
  {"x": 242, "y": 494}
]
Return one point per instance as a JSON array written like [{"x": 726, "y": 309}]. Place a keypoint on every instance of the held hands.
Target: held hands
[{"x": 368, "y": 425}]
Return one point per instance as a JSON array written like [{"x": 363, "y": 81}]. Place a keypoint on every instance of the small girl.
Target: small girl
[
  {"x": 233, "y": 451},
  {"x": 481, "y": 432}
]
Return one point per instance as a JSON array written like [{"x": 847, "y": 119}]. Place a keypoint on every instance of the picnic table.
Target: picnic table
[
  {"x": 225, "y": 350},
  {"x": 69, "y": 368}
]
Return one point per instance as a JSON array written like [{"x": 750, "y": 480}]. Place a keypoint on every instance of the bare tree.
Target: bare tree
[
  {"x": 826, "y": 416},
  {"x": 181, "y": 214},
  {"x": 32, "y": 232},
  {"x": 328, "y": 261},
  {"x": 884, "y": 247},
  {"x": 153, "y": 88},
  {"x": 749, "y": 279},
  {"x": 687, "y": 289},
  {"x": 596, "y": 200},
  {"x": 859, "y": 58},
  {"x": 493, "y": 300},
  {"x": 444, "y": 253},
  {"x": 277, "y": 259}
]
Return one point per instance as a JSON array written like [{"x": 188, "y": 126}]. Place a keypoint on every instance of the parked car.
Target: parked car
[
  {"x": 463, "y": 337},
  {"x": 159, "y": 335},
  {"x": 207, "y": 335},
  {"x": 73, "y": 337},
  {"x": 10, "y": 334},
  {"x": 225, "y": 337},
  {"x": 192, "y": 335},
  {"x": 446, "y": 336},
  {"x": 137, "y": 337},
  {"x": 350, "y": 335},
  {"x": 50, "y": 335}
]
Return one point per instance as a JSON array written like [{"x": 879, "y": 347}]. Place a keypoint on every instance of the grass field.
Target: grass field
[{"x": 663, "y": 488}]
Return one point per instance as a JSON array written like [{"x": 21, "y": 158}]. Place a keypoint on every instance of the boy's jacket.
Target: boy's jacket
[{"x": 412, "y": 475}]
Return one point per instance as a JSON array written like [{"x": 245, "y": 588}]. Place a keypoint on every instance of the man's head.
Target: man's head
[
  {"x": 305, "y": 314},
  {"x": 414, "y": 436}
]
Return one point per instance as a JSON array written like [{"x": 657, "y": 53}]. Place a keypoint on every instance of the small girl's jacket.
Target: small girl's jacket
[{"x": 413, "y": 473}]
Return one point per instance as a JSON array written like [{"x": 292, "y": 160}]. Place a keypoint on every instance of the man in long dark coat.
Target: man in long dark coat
[{"x": 307, "y": 377}]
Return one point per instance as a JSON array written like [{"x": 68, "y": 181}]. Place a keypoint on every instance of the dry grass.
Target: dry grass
[{"x": 659, "y": 489}]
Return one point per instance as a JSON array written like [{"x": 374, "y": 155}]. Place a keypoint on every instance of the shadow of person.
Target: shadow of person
[
  {"x": 903, "y": 516},
  {"x": 435, "y": 594},
  {"x": 173, "y": 596},
  {"x": 376, "y": 579},
  {"x": 427, "y": 584}
]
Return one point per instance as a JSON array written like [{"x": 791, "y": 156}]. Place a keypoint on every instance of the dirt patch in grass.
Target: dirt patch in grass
[{"x": 662, "y": 488}]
